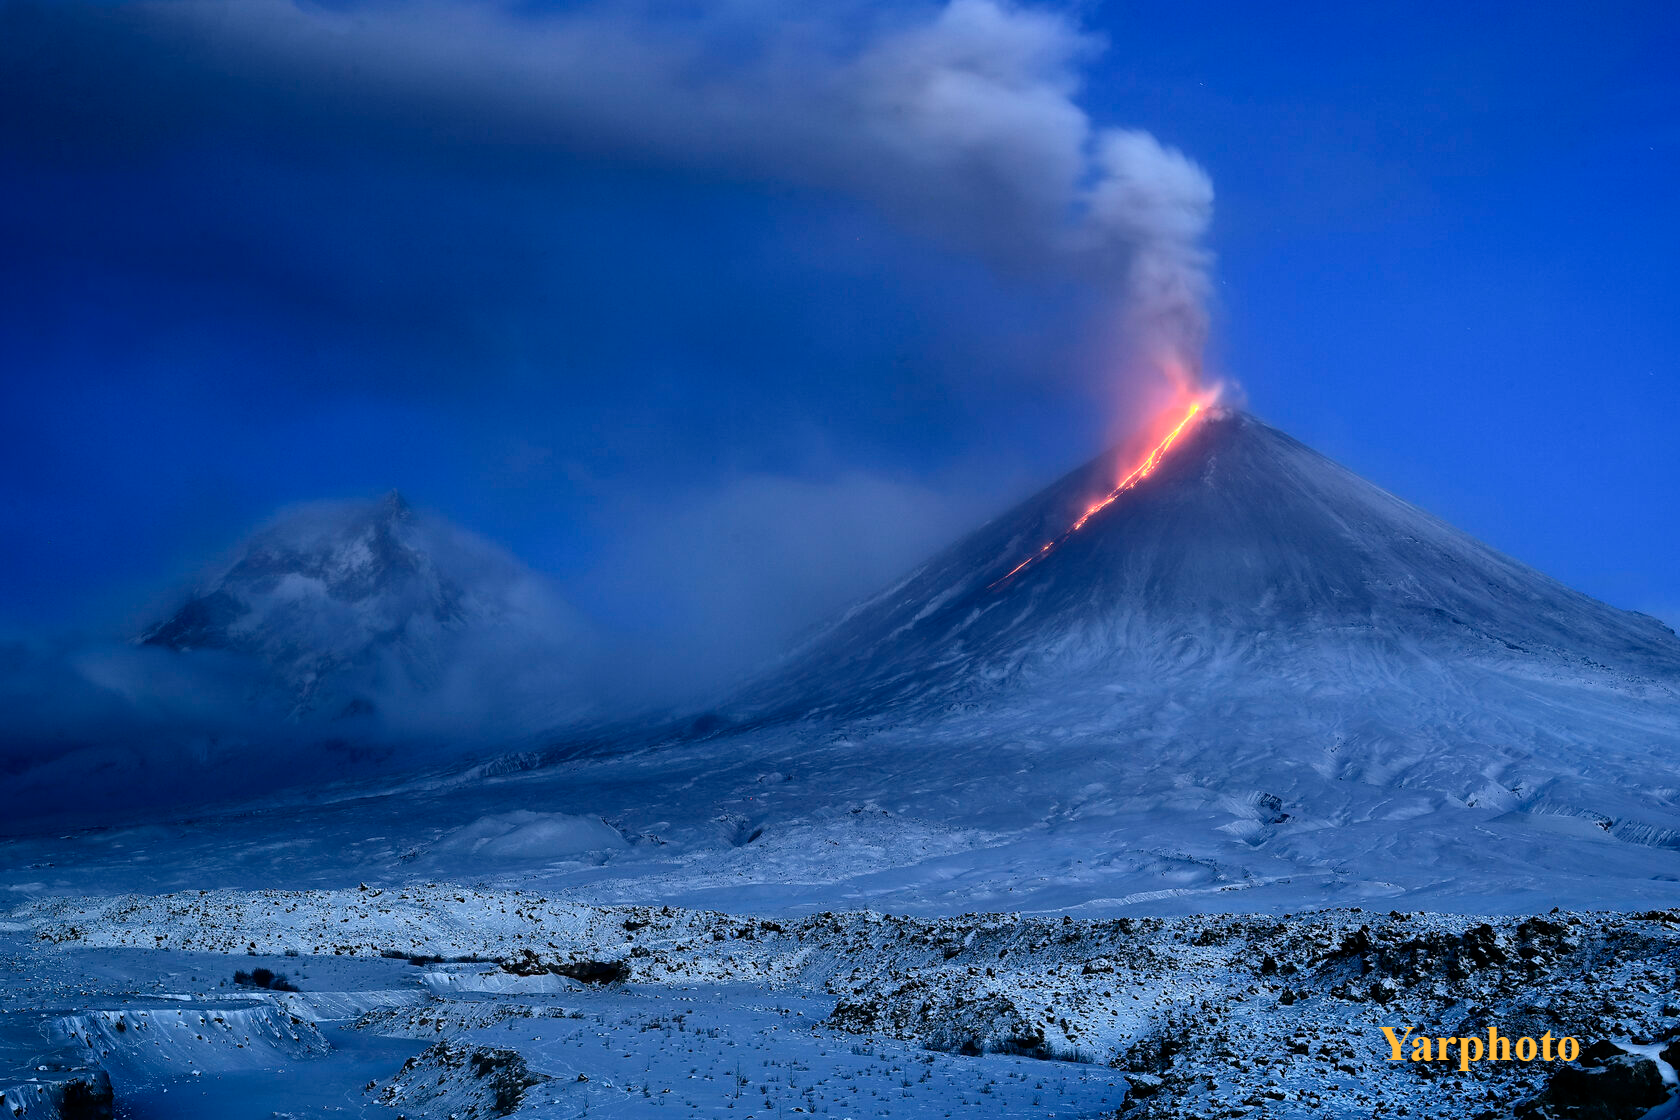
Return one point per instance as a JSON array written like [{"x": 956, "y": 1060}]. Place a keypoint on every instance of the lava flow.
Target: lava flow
[{"x": 1140, "y": 472}]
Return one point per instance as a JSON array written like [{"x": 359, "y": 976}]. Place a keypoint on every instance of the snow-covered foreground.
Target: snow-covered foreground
[
  {"x": 1103, "y": 806},
  {"x": 441, "y": 1000}
]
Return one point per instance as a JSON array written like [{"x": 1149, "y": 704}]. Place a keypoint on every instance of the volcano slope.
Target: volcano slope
[
  {"x": 1252, "y": 671},
  {"x": 1244, "y": 555},
  {"x": 1252, "y": 682}
]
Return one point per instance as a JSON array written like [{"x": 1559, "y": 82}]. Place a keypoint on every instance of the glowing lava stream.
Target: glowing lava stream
[{"x": 1140, "y": 472}]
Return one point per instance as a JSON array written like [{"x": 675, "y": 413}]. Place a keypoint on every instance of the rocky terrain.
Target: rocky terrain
[{"x": 483, "y": 1003}]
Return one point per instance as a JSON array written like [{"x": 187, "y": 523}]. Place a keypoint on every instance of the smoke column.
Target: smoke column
[
  {"x": 958, "y": 120},
  {"x": 1158, "y": 204}
]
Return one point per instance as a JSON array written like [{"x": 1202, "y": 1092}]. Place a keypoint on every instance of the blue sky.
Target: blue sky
[{"x": 699, "y": 381}]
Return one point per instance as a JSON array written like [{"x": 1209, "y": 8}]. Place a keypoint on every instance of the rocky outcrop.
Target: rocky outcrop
[
  {"x": 461, "y": 1080},
  {"x": 1618, "y": 1087},
  {"x": 58, "y": 1094}
]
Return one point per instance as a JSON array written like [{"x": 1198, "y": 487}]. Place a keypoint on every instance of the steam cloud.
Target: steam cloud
[
  {"x": 1160, "y": 204},
  {"x": 958, "y": 120}
]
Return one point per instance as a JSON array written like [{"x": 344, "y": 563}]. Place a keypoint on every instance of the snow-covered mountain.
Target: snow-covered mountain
[
  {"x": 323, "y": 593},
  {"x": 1243, "y": 555},
  {"x": 358, "y": 609},
  {"x": 339, "y": 640},
  {"x": 1251, "y": 668}
]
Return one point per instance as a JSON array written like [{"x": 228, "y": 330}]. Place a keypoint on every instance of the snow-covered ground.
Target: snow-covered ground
[
  {"x": 719, "y": 1016},
  {"x": 940, "y": 817},
  {"x": 842, "y": 1014}
]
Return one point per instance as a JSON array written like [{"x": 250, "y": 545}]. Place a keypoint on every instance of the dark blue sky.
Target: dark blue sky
[{"x": 696, "y": 381}]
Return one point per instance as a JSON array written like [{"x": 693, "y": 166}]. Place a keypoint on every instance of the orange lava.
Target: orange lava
[{"x": 1138, "y": 473}]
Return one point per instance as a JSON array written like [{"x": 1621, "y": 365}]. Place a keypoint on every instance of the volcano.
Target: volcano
[
  {"x": 1249, "y": 667},
  {"x": 322, "y": 594},
  {"x": 1243, "y": 554}
]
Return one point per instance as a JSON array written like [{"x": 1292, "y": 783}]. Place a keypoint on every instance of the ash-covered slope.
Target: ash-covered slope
[{"x": 1243, "y": 545}]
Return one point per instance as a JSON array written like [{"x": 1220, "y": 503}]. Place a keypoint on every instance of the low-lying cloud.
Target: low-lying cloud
[{"x": 736, "y": 574}]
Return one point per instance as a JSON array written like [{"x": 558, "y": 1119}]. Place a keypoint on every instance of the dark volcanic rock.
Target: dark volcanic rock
[
  {"x": 583, "y": 971},
  {"x": 1622, "y": 1087},
  {"x": 593, "y": 972},
  {"x": 88, "y": 1097}
]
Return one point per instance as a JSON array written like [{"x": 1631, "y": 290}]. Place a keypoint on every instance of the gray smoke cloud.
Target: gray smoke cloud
[
  {"x": 958, "y": 120},
  {"x": 1160, "y": 205}
]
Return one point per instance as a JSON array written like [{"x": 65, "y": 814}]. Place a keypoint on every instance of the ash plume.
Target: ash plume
[
  {"x": 1159, "y": 205},
  {"x": 960, "y": 120}
]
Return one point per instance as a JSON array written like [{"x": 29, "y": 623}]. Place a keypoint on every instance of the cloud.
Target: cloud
[
  {"x": 1160, "y": 205},
  {"x": 737, "y": 572},
  {"x": 270, "y": 143},
  {"x": 959, "y": 120}
]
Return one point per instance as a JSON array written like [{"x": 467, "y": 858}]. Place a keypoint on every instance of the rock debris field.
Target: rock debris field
[{"x": 440, "y": 1001}]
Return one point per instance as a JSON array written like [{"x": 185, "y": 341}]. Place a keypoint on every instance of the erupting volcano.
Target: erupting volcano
[
  {"x": 1136, "y": 475},
  {"x": 1228, "y": 542},
  {"x": 1239, "y": 665}
]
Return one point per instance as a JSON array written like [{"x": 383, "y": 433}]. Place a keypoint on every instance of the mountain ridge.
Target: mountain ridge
[{"x": 322, "y": 592}]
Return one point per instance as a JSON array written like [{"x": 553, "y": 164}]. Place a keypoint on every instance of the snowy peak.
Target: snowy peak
[
  {"x": 348, "y": 605},
  {"x": 363, "y": 555},
  {"x": 321, "y": 591},
  {"x": 369, "y": 554},
  {"x": 1239, "y": 535}
]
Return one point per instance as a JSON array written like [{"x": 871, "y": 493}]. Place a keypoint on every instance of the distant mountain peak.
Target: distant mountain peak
[
  {"x": 356, "y": 553},
  {"x": 394, "y": 507},
  {"x": 341, "y": 602}
]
